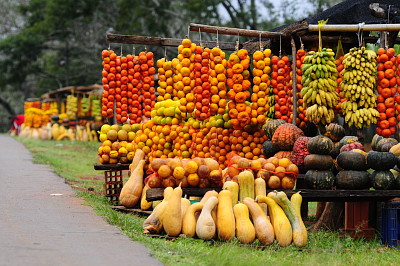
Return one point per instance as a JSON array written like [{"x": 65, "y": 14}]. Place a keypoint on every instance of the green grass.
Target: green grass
[{"x": 75, "y": 160}]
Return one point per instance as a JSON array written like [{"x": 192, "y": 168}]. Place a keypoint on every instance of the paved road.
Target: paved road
[{"x": 37, "y": 228}]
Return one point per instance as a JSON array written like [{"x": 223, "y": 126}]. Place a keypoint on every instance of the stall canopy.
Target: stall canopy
[{"x": 346, "y": 12}]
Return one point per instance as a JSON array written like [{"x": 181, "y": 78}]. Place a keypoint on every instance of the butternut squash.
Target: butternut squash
[
  {"x": 264, "y": 207},
  {"x": 234, "y": 188},
  {"x": 246, "y": 185},
  {"x": 205, "y": 226},
  {"x": 189, "y": 219},
  {"x": 296, "y": 200},
  {"x": 225, "y": 216},
  {"x": 154, "y": 223},
  {"x": 132, "y": 191},
  {"x": 281, "y": 224},
  {"x": 260, "y": 187},
  {"x": 245, "y": 231},
  {"x": 172, "y": 221},
  {"x": 185, "y": 204},
  {"x": 264, "y": 230},
  {"x": 144, "y": 204},
  {"x": 206, "y": 196},
  {"x": 139, "y": 155}
]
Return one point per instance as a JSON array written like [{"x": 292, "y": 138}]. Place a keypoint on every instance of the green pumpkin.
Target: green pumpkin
[
  {"x": 375, "y": 139},
  {"x": 268, "y": 149},
  {"x": 319, "y": 179},
  {"x": 318, "y": 162},
  {"x": 385, "y": 144},
  {"x": 349, "y": 160},
  {"x": 383, "y": 180},
  {"x": 381, "y": 160},
  {"x": 320, "y": 145},
  {"x": 334, "y": 131},
  {"x": 270, "y": 126},
  {"x": 349, "y": 179}
]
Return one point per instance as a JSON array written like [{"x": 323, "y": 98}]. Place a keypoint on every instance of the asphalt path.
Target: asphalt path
[{"x": 42, "y": 222}]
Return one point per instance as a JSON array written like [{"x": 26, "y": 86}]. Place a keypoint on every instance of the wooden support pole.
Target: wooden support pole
[
  {"x": 158, "y": 41},
  {"x": 356, "y": 27},
  {"x": 294, "y": 80},
  {"x": 234, "y": 31}
]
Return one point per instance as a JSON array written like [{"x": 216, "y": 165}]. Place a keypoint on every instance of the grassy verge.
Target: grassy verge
[{"x": 74, "y": 162}]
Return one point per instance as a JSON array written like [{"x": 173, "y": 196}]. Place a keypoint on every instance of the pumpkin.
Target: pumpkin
[
  {"x": 347, "y": 140},
  {"x": 318, "y": 162},
  {"x": 375, "y": 139},
  {"x": 320, "y": 145},
  {"x": 270, "y": 126},
  {"x": 381, "y": 160},
  {"x": 387, "y": 146},
  {"x": 279, "y": 220},
  {"x": 268, "y": 149},
  {"x": 352, "y": 146},
  {"x": 285, "y": 136},
  {"x": 319, "y": 179},
  {"x": 300, "y": 152},
  {"x": 349, "y": 179},
  {"x": 383, "y": 180},
  {"x": 384, "y": 141},
  {"x": 283, "y": 154},
  {"x": 349, "y": 160},
  {"x": 298, "y": 228},
  {"x": 395, "y": 149},
  {"x": 397, "y": 181},
  {"x": 245, "y": 231},
  {"x": 336, "y": 149},
  {"x": 334, "y": 131},
  {"x": 205, "y": 226}
]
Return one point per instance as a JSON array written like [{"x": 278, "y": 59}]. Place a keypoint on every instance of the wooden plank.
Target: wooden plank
[
  {"x": 308, "y": 194},
  {"x": 234, "y": 31},
  {"x": 129, "y": 210},
  {"x": 158, "y": 41},
  {"x": 356, "y": 27},
  {"x": 111, "y": 167}
]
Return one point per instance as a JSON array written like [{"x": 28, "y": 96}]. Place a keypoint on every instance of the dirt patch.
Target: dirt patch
[{"x": 100, "y": 177}]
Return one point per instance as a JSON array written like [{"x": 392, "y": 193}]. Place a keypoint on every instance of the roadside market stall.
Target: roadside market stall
[{"x": 258, "y": 120}]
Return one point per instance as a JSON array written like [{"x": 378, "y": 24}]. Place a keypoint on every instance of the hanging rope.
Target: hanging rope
[
  {"x": 188, "y": 34},
  {"x": 237, "y": 43},
  {"x": 121, "y": 49},
  {"x": 320, "y": 24},
  {"x": 280, "y": 46},
  {"x": 165, "y": 53},
  {"x": 260, "y": 43},
  {"x": 217, "y": 40},
  {"x": 301, "y": 44},
  {"x": 201, "y": 44}
]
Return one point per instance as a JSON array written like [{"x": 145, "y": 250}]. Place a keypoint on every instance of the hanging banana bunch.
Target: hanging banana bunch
[
  {"x": 319, "y": 86},
  {"x": 358, "y": 86},
  {"x": 72, "y": 107}
]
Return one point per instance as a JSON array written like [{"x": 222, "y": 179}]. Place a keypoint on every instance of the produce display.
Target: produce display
[{"x": 302, "y": 120}]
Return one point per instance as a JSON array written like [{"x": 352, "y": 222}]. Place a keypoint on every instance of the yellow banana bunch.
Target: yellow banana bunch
[
  {"x": 85, "y": 106},
  {"x": 358, "y": 86},
  {"x": 319, "y": 86},
  {"x": 96, "y": 109},
  {"x": 72, "y": 107}
]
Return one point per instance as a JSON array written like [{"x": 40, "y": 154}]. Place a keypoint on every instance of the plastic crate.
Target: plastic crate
[
  {"x": 390, "y": 225},
  {"x": 113, "y": 185}
]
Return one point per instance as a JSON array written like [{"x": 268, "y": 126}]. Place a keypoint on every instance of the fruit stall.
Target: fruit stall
[
  {"x": 217, "y": 138},
  {"x": 71, "y": 113}
]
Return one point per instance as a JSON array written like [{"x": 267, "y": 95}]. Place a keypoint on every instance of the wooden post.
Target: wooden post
[
  {"x": 234, "y": 31},
  {"x": 294, "y": 80},
  {"x": 356, "y": 27},
  {"x": 158, "y": 41}
]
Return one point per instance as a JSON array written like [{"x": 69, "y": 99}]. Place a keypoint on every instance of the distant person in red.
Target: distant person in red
[{"x": 17, "y": 121}]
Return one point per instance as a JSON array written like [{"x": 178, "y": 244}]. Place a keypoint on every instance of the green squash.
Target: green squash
[
  {"x": 270, "y": 126},
  {"x": 348, "y": 179},
  {"x": 319, "y": 179},
  {"x": 383, "y": 180},
  {"x": 334, "y": 131},
  {"x": 349, "y": 160},
  {"x": 320, "y": 145},
  {"x": 381, "y": 160},
  {"x": 268, "y": 149}
]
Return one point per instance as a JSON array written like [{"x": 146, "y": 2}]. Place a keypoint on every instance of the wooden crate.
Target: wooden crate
[{"x": 113, "y": 184}]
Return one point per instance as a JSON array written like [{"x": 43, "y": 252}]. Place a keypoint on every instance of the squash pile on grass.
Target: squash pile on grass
[{"x": 218, "y": 216}]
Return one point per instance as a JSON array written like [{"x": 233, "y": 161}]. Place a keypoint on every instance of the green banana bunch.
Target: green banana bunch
[
  {"x": 96, "y": 109},
  {"x": 72, "y": 107},
  {"x": 358, "y": 87},
  {"x": 270, "y": 113},
  {"x": 319, "y": 86},
  {"x": 85, "y": 105}
]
